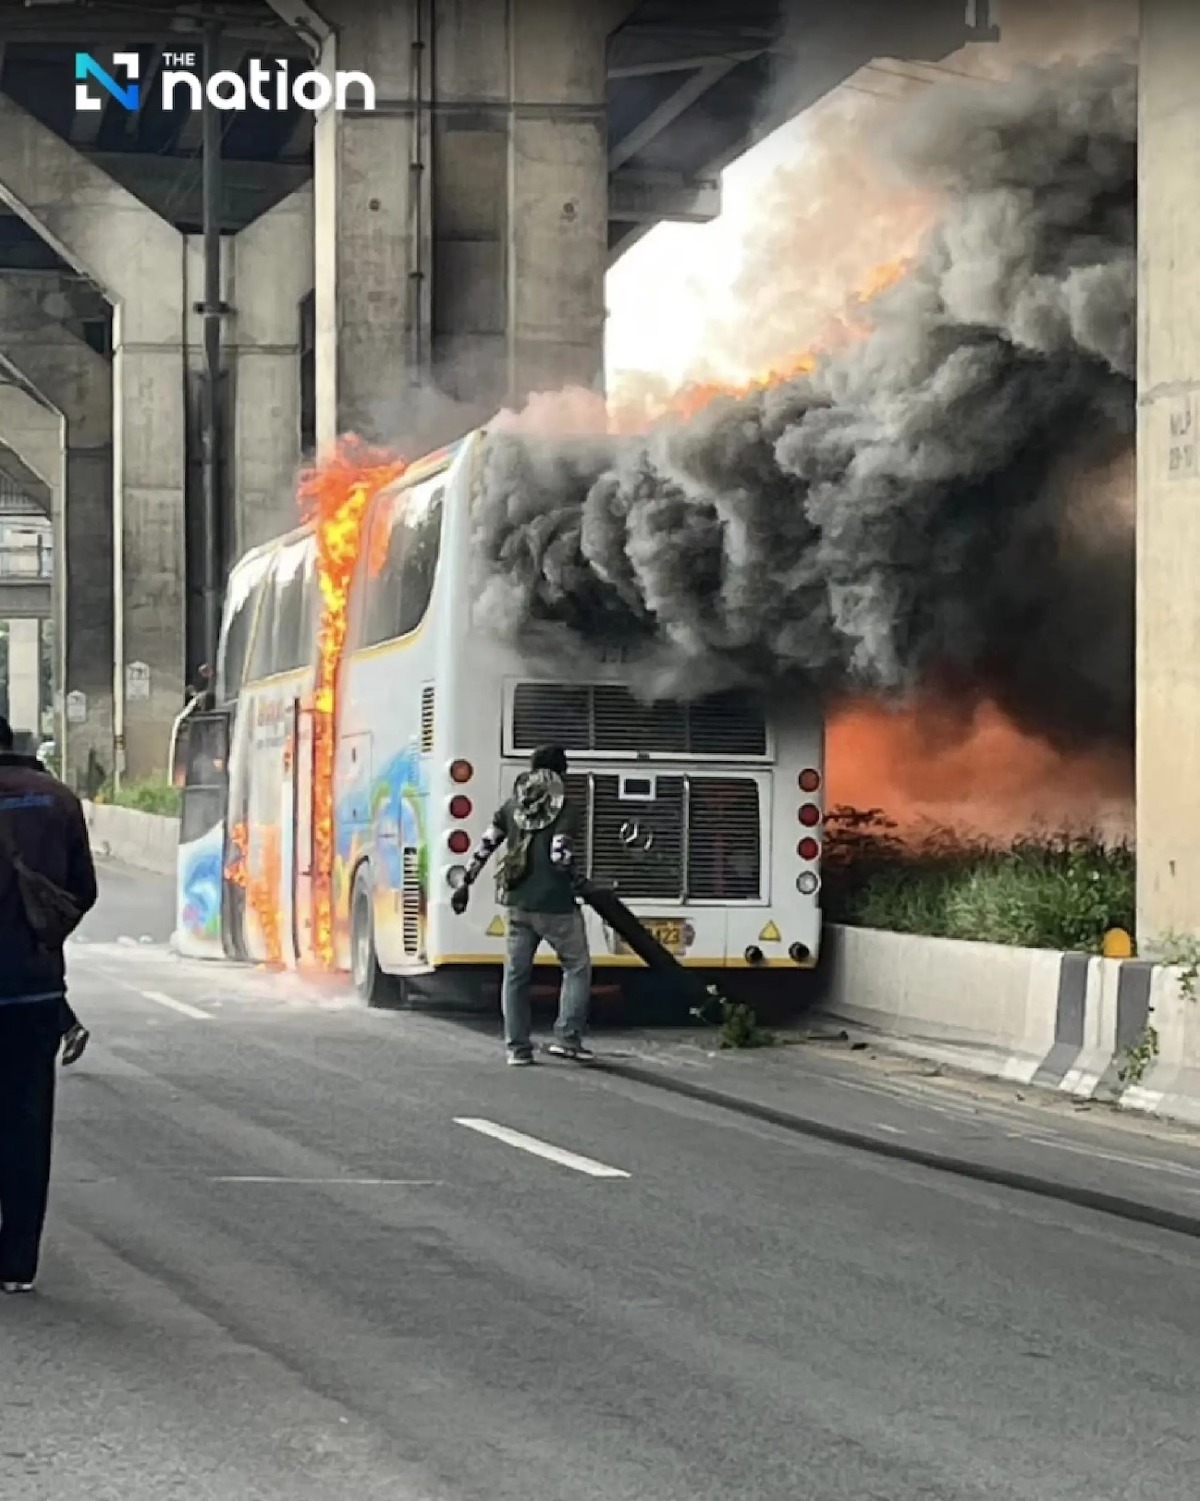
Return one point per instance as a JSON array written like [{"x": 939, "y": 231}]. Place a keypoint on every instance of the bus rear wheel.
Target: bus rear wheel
[{"x": 373, "y": 986}]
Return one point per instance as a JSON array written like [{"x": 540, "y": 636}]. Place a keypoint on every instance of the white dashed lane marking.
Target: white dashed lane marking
[
  {"x": 538, "y": 1148},
  {"x": 160, "y": 998}
]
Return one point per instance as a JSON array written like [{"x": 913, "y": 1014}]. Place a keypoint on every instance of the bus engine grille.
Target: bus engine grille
[
  {"x": 605, "y": 717},
  {"x": 700, "y": 840}
]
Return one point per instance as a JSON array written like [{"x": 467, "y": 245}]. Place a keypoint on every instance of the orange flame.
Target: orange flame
[
  {"x": 262, "y": 891},
  {"x": 882, "y": 278},
  {"x": 928, "y": 763},
  {"x": 235, "y": 871},
  {"x": 335, "y": 495}
]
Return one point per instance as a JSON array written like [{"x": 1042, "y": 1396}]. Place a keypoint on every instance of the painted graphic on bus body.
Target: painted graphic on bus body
[
  {"x": 385, "y": 814},
  {"x": 201, "y": 880}
]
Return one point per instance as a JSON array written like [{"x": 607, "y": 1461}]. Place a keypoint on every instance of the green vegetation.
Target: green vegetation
[
  {"x": 1137, "y": 1058},
  {"x": 738, "y": 1024},
  {"x": 150, "y": 795},
  {"x": 1055, "y": 891},
  {"x": 1183, "y": 952}
]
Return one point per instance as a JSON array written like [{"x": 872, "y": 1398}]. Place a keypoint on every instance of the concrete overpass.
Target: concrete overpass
[
  {"x": 26, "y": 551},
  {"x": 404, "y": 269}
]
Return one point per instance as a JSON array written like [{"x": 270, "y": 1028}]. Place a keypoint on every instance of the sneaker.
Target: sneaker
[
  {"x": 520, "y": 1060},
  {"x": 16, "y": 1287},
  {"x": 574, "y": 1051},
  {"x": 74, "y": 1044}
]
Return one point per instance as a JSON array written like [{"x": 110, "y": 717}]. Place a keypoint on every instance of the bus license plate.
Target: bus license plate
[{"x": 669, "y": 931}]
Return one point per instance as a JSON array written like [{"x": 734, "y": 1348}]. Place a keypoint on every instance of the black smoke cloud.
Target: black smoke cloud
[{"x": 928, "y": 507}]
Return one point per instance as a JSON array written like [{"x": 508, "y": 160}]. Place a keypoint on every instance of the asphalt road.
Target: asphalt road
[{"x": 280, "y": 1266}]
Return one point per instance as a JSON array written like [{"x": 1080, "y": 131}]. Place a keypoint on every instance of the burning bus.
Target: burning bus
[{"x": 364, "y": 727}]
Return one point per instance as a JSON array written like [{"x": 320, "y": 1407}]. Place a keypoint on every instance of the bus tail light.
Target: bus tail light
[
  {"x": 807, "y": 882},
  {"x": 810, "y": 780},
  {"x": 455, "y": 876},
  {"x": 461, "y": 807},
  {"x": 799, "y": 952},
  {"x": 810, "y": 815},
  {"x": 808, "y": 849},
  {"x": 459, "y": 842},
  {"x": 754, "y": 955},
  {"x": 461, "y": 772}
]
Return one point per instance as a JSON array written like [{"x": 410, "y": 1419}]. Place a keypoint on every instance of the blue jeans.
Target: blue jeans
[{"x": 567, "y": 936}]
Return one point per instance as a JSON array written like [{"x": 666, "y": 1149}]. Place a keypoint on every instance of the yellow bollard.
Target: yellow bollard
[{"x": 1117, "y": 944}]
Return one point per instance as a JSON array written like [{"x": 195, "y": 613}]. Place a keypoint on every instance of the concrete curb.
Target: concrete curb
[
  {"x": 897, "y": 1151},
  {"x": 139, "y": 839}
]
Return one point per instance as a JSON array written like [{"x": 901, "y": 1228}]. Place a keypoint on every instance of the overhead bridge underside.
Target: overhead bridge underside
[{"x": 691, "y": 85}]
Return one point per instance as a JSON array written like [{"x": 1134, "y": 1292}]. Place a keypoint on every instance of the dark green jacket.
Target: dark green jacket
[{"x": 548, "y": 882}]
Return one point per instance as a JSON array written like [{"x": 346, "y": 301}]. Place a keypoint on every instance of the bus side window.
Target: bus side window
[
  {"x": 309, "y": 611},
  {"x": 206, "y": 750},
  {"x": 293, "y": 644},
  {"x": 422, "y": 546},
  {"x": 403, "y": 561},
  {"x": 237, "y": 640},
  {"x": 205, "y": 765},
  {"x": 262, "y": 652},
  {"x": 385, "y": 564}
]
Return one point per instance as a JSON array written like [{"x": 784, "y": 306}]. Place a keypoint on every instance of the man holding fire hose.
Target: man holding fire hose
[{"x": 538, "y": 827}]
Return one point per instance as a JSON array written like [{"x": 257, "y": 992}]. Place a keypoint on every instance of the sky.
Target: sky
[{"x": 657, "y": 319}]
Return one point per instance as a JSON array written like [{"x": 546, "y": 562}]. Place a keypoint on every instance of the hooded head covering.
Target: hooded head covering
[
  {"x": 549, "y": 758},
  {"x": 538, "y": 798}
]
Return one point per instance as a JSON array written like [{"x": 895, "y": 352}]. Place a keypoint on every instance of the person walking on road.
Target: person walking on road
[
  {"x": 538, "y": 827},
  {"x": 75, "y": 1036},
  {"x": 47, "y": 885}
]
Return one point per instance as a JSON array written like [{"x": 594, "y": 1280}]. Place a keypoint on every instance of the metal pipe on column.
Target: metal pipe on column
[
  {"x": 420, "y": 198},
  {"x": 212, "y": 310}
]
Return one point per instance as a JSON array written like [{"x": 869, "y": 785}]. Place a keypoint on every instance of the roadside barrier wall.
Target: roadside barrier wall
[
  {"x": 144, "y": 840},
  {"x": 1123, "y": 1031}
]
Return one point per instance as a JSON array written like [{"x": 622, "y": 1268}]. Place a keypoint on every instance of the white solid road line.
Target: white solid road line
[
  {"x": 161, "y": 999},
  {"x": 540, "y": 1148},
  {"x": 334, "y": 1182}
]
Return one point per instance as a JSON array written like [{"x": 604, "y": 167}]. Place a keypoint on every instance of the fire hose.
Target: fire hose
[{"x": 612, "y": 911}]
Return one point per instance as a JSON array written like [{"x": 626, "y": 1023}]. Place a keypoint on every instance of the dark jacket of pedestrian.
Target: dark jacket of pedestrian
[{"x": 50, "y": 832}]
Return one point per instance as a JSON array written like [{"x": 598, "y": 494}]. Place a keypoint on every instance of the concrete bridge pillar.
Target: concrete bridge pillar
[
  {"x": 76, "y": 382},
  {"x": 462, "y": 226},
  {"x": 25, "y": 677},
  {"x": 137, "y": 260},
  {"x": 266, "y": 273},
  {"x": 269, "y": 274},
  {"x": 1168, "y": 540}
]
